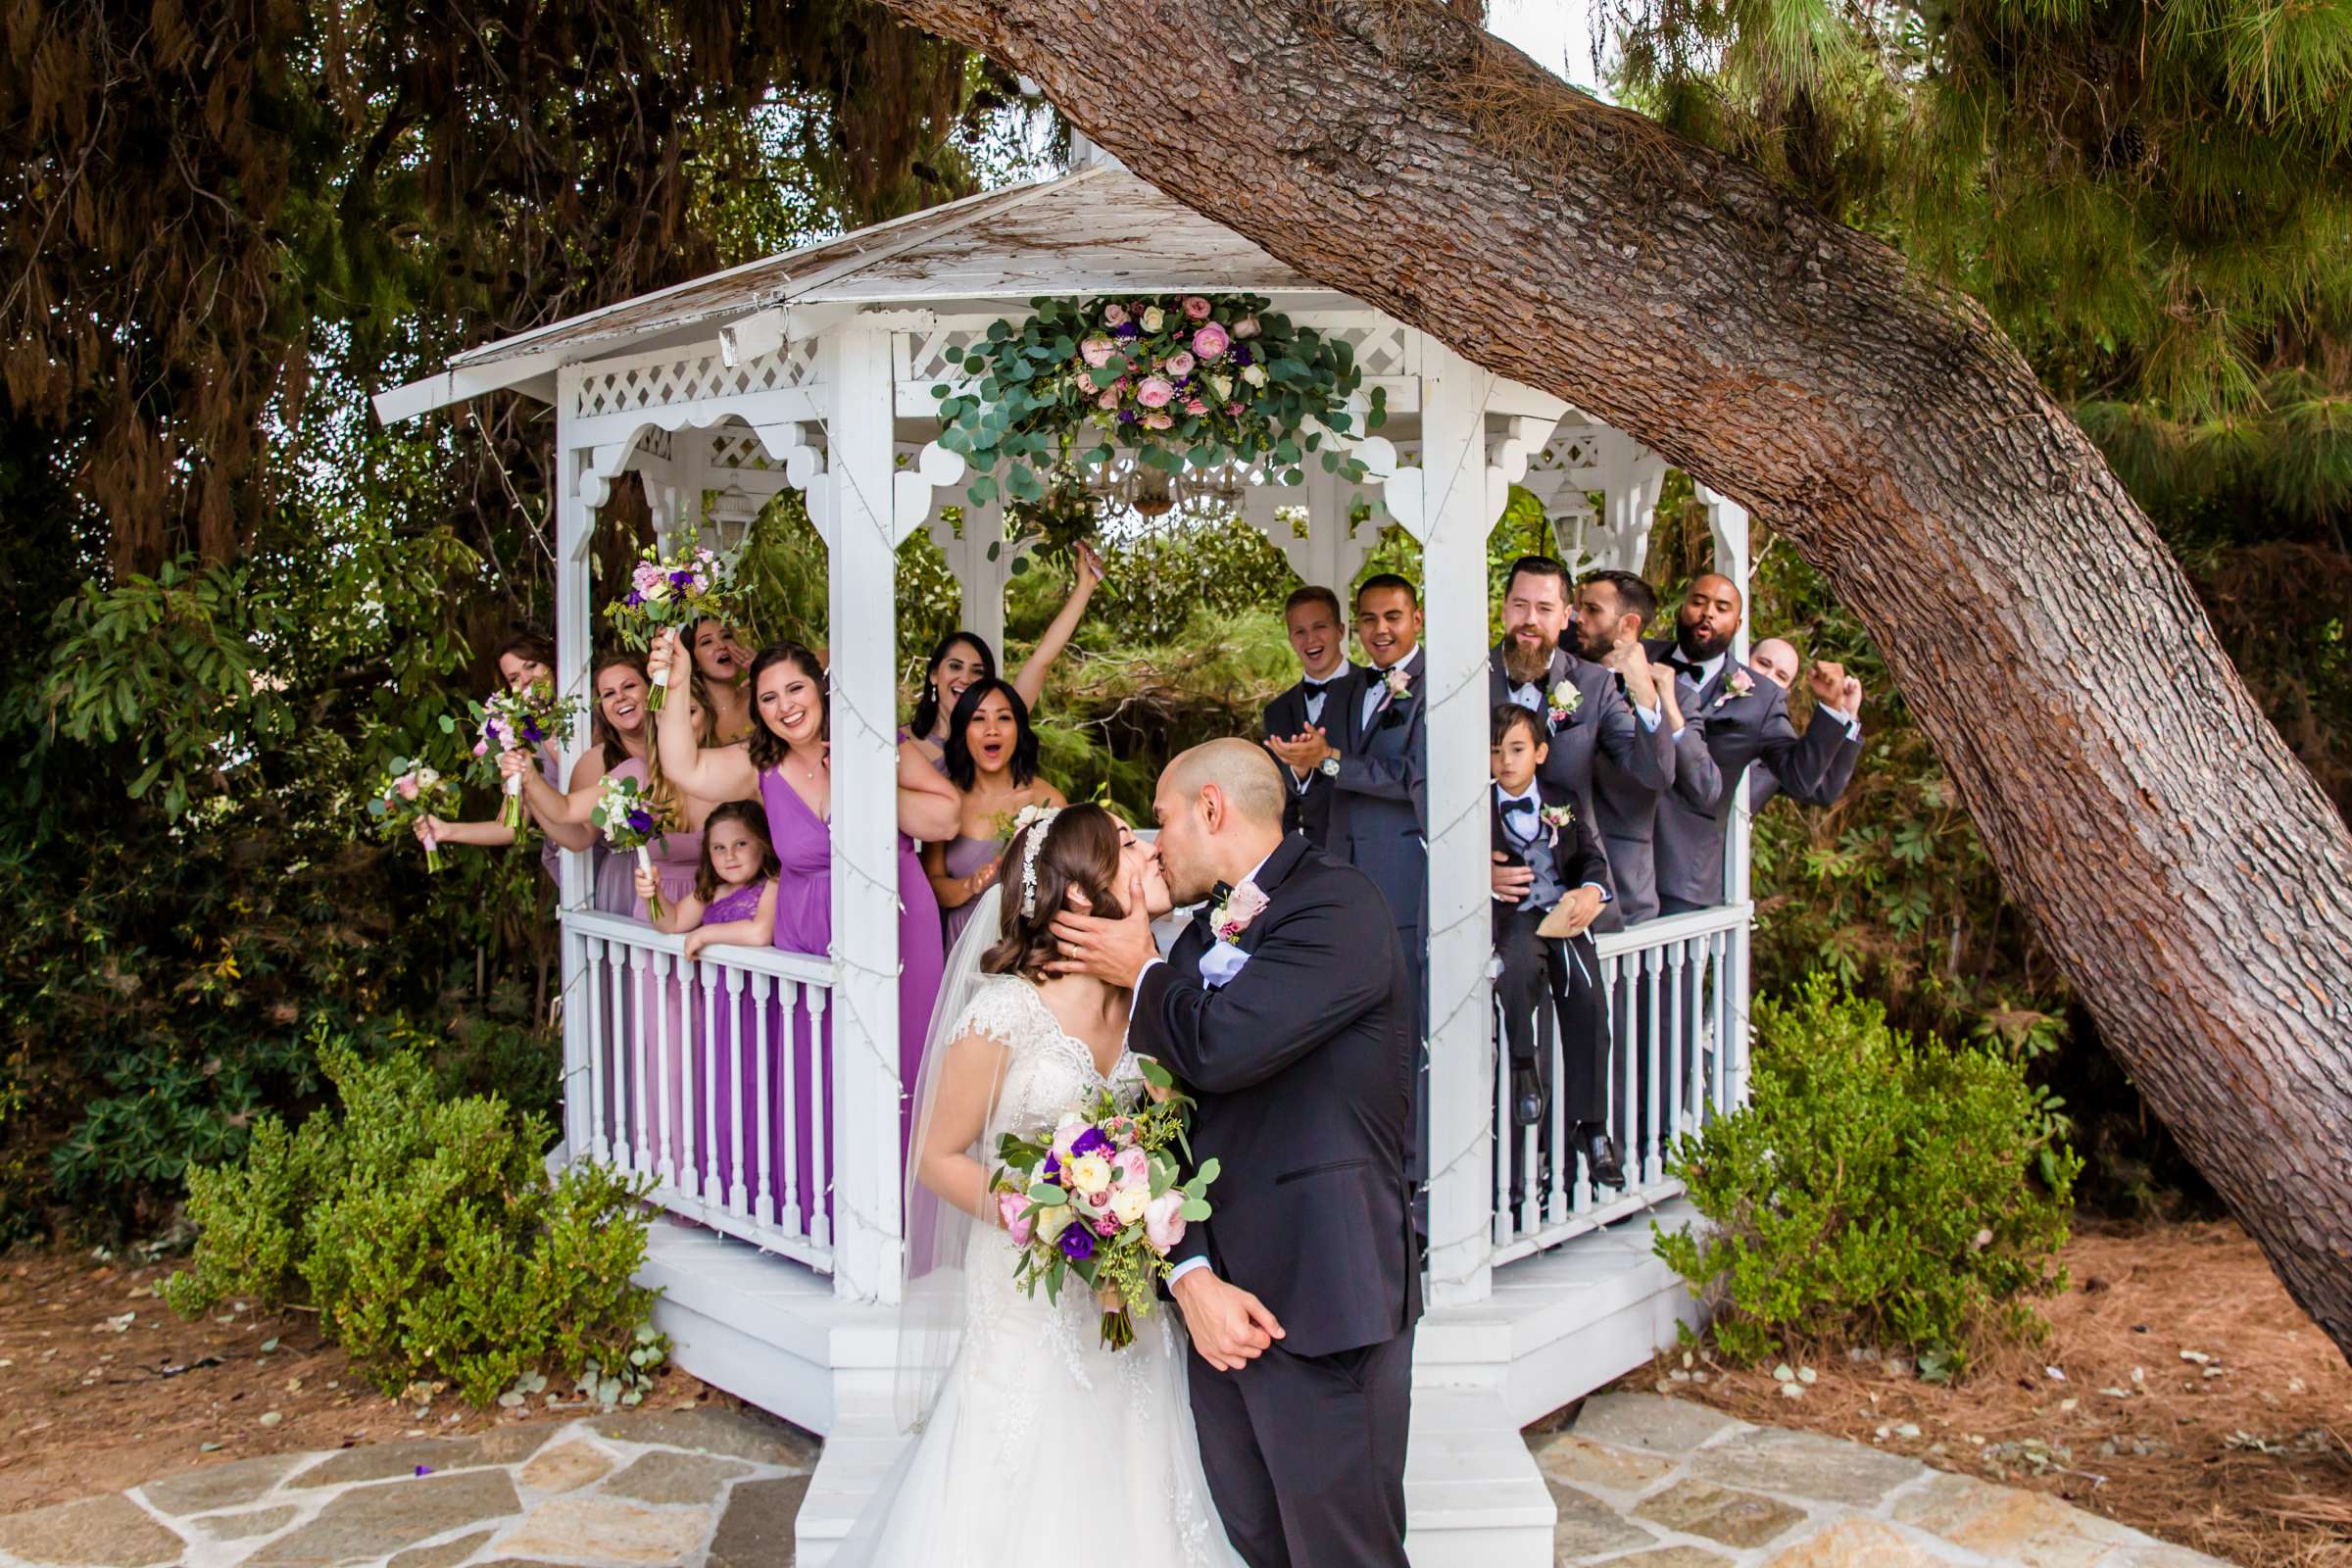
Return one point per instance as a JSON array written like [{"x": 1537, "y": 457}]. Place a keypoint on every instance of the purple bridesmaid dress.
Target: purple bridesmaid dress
[
  {"x": 660, "y": 1014},
  {"x": 804, "y": 844}
]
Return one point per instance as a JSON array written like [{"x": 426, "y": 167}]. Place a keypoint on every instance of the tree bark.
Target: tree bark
[{"x": 2183, "y": 867}]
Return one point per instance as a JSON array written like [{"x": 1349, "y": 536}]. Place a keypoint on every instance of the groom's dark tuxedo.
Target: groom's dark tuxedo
[{"x": 1303, "y": 1064}]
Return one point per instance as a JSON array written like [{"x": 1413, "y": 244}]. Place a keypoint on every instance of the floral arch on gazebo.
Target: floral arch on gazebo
[{"x": 822, "y": 371}]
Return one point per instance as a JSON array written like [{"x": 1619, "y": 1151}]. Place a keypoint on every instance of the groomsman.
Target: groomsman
[
  {"x": 1581, "y": 707},
  {"x": 1299, "y": 722},
  {"x": 1777, "y": 660},
  {"x": 1745, "y": 719},
  {"x": 1612, "y": 610}
]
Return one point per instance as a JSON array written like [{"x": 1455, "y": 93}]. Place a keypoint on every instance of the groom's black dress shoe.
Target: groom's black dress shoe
[
  {"x": 1600, "y": 1158},
  {"x": 1527, "y": 1097}
]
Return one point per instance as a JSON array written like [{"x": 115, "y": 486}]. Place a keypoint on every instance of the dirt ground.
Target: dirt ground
[
  {"x": 106, "y": 1387},
  {"x": 2180, "y": 1392}
]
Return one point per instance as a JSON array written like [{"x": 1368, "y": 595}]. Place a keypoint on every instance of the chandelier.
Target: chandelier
[{"x": 1152, "y": 492}]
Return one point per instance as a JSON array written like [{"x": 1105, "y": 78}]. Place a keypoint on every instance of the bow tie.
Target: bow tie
[
  {"x": 1522, "y": 803},
  {"x": 1316, "y": 687},
  {"x": 1687, "y": 667},
  {"x": 1220, "y": 893}
]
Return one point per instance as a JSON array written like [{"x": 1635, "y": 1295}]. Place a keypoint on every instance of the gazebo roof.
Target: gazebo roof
[{"x": 1096, "y": 230}]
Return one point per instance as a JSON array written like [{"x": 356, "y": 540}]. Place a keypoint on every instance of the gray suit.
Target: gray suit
[
  {"x": 1740, "y": 727},
  {"x": 1763, "y": 783},
  {"x": 1380, "y": 799},
  {"x": 1614, "y": 766}
]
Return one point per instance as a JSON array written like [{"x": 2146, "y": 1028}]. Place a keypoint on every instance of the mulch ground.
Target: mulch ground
[
  {"x": 2180, "y": 1392},
  {"x": 105, "y": 1386}
]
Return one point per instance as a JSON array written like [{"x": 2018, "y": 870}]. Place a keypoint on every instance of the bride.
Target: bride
[{"x": 1025, "y": 1426}]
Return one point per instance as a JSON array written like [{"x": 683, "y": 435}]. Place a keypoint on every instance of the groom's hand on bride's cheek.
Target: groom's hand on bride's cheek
[
  {"x": 1114, "y": 952},
  {"x": 1229, "y": 1326}
]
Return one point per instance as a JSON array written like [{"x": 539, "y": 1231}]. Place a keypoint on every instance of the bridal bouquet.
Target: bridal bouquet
[
  {"x": 519, "y": 721},
  {"x": 1098, "y": 1196},
  {"x": 674, "y": 592},
  {"x": 629, "y": 819},
  {"x": 407, "y": 792}
]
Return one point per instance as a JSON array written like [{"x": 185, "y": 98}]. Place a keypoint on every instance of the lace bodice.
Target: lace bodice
[{"x": 1052, "y": 1071}]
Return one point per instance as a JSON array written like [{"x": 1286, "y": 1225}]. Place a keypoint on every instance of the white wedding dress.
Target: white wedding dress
[{"x": 1038, "y": 1432}]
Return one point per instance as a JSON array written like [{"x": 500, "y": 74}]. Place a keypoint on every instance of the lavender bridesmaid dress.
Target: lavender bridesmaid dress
[
  {"x": 804, "y": 844},
  {"x": 966, "y": 854},
  {"x": 658, "y": 1012}
]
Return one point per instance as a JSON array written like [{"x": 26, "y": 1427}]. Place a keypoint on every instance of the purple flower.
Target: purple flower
[
  {"x": 1126, "y": 329},
  {"x": 635, "y": 599},
  {"x": 1077, "y": 1244},
  {"x": 681, "y": 578},
  {"x": 1243, "y": 356},
  {"x": 1089, "y": 1140},
  {"x": 640, "y": 820},
  {"x": 1052, "y": 1166},
  {"x": 1126, "y": 416},
  {"x": 531, "y": 731}
]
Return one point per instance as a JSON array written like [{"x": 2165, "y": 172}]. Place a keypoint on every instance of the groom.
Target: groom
[{"x": 1295, "y": 1032}]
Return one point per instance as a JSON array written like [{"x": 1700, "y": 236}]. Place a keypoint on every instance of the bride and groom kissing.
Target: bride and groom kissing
[{"x": 1268, "y": 1429}]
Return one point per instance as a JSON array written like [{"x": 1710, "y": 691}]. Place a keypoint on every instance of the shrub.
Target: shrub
[
  {"x": 427, "y": 1235},
  {"x": 1910, "y": 1193}
]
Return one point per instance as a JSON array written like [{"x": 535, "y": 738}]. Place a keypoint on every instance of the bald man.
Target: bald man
[
  {"x": 1745, "y": 719},
  {"x": 1776, "y": 659},
  {"x": 1288, "y": 1011}
]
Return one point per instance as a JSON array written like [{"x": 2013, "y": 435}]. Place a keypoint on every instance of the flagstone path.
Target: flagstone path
[{"x": 1642, "y": 1482}]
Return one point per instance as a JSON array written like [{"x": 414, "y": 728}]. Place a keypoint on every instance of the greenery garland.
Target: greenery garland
[{"x": 1183, "y": 382}]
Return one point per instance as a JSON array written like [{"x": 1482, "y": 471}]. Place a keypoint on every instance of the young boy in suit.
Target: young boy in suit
[{"x": 1538, "y": 825}]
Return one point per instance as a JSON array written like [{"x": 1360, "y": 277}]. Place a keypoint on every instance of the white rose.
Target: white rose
[
  {"x": 1221, "y": 386},
  {"x": 1067, "y": 1130},
  {"x": 1153, "y": 320},
  {"x": 1088, "y": 1174},
  {"x": 1129, "y": 1203},
  {"x": 1052, "y": 1222},
  {"x": 1254, "y": 374}
]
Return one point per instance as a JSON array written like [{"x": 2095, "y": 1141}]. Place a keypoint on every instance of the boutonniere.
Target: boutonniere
[
  {"x": 1736, "y": 684},
  {"x": 1399, "y": 680},
  {"x": 1563, "y": 700},
  {"x": 1233, "y": 914},
  {"x": 1554, "y": 818}
]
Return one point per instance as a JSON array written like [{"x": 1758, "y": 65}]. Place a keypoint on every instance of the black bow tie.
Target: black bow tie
[
  {"x": 1220, "y": 893},
  {"x": 1522, "y": 803},
  {"x": 1314, "y": 687}
]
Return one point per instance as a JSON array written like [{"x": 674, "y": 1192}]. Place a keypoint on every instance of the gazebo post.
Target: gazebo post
[
  {"x": 575, "y": 542},
  {"x": 982, "y": 580},
  {"x": 852, "y": 505},
  {"x": 1457, "y": 509},
  {"x": 1727, "y": 522}
]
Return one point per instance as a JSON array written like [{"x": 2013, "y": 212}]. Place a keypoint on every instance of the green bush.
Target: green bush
[
  {"x": 428, "y": 1235},
  {"x": 1900, "y": 1193}
]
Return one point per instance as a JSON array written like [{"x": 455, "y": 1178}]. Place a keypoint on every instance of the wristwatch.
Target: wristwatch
[{"x": 1329, "y": 767}]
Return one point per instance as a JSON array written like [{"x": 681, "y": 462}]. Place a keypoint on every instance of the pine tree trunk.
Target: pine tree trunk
[{"x": 2183, "y": 867}]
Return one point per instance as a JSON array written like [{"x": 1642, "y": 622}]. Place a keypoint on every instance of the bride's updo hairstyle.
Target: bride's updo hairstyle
[{"x": 1074, "y": 847}]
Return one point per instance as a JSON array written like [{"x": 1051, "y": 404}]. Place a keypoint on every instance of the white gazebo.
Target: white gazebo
[{"x": 815, "y": 371}]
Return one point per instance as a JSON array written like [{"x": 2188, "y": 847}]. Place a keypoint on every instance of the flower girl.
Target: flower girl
[{"x": 734, "y": 896}]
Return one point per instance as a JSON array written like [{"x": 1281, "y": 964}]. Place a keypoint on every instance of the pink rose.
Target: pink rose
[
  {"x": 1232, "y": 408},
  {"x": 1109, "y": 398},
  {"x": 1180, "y": 364},
  {"x": 406, "y": 786},
  {"x": 1114, "y": 315},
  {"x": 1196, "y": 308},
  {"x": 1101, "y": 1199},
  {"x": 1158, "y": 422},
  {"x": 1195, "y": 406},
  {"x": 1097, "y": 352},
  {"x": 1155, "y": 392},
  {"x": 1132, "y": 1165},
  {"x": 1107, "y": 1225},
  {"x": 482, "y": 748},
  {"x": 1245, "y": 327},
  {"x": 1163, "y": 1221},
  {"x": 1210, "y": 341},
  {"x": 1013, "y": 1207}
]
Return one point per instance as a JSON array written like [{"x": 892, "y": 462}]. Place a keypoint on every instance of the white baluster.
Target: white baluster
[
  {"x": 788, "y": 1084},
  {"x": 1670, "y": 1050},
  {"x": 714, "y": 1039},
  {"x": 821, "y": 1100},
  {"x": 689, "y": 1074},
  {"x": 665, "y": 1170},
  {"x": 1561, "y": 1166},
  {"x": 763, "y": 1202},
  {"x": 1505, "y": 1222},
  {"x": 1643, "y": 1169},
  {"x": 642, "y": 1160},
  {"x": 1726, "y": 1023},
  {"x": 737, "y": 1197},
  {"x": 1682, "y": 1027},
  {"x": 599, "y": 1040}
]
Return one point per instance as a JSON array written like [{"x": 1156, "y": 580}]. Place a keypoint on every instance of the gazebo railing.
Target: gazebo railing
[
  {"x": 1679, "y": 1029},
  {"x": 694, "y": 1074}
]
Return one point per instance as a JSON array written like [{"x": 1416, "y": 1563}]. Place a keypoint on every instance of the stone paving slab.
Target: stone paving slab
[{"x": 1641, "y": 1482}]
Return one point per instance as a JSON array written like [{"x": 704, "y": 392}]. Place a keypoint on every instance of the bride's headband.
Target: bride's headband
[{"x": 1039, "y": 820}]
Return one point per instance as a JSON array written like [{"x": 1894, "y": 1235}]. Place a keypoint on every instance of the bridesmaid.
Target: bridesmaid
[
  {"x": 720, "y": 663},
  {"x": 618, "y": 733},
  {"x": 963, "y": 658},
  {"x": 786, "y": 762},
  {"x": 523, "y": 659},
  {"x": 991, "y": 761}
]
